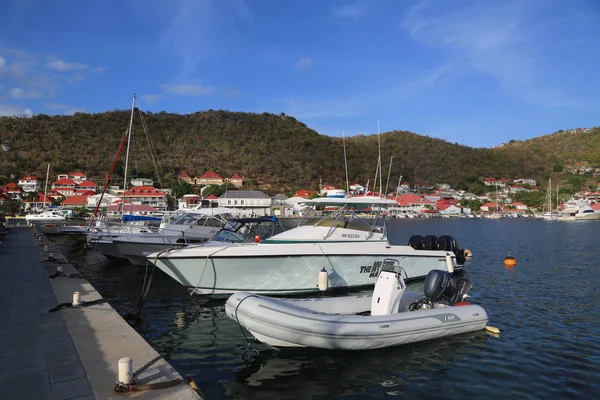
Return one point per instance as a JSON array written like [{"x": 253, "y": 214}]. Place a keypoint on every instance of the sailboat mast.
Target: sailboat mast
[
  {"x": 389, "y": 173},
  {"x": 127, "y": 154},
  {"x": 345, "y": 164},
  {"x": 379, "y": 161},
  {"x": 46, "y": 185}
]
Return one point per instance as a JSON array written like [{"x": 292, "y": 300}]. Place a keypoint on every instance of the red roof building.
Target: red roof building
[
  {"x": 210, "y": 178},
  {"x": 147, "y": 195},
  {"x": 12, "y": 191},
  {"x": 185, "y": 177},
  {"x": 237, "y": 180},
  {"x": 75, "y": 201}
]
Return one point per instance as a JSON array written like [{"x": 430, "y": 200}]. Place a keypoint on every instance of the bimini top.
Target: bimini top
[{"x": 350, "y": 201}]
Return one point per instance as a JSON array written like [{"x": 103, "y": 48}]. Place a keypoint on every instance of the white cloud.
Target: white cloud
[
  {"x": 9, "y": 110},
  {"x": 303, "y": 64},
  {"x": 188, "y": 89},
  {"x": 191, "y": 32},
  {"x": 352, "y": 11},
  {"x": 18, "y": 93},
  {"x": 500, "y": 40},
  {"x": 73, "y": 111},
  {"x": 151, "y": 98},
  {"x": 2, "y": 62},
  {"x": 60, "y": 65}
]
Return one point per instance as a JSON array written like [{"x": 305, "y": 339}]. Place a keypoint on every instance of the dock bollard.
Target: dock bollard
[
  {"x": 125, "y": 370},
  {"x": 75, "y": 298}
]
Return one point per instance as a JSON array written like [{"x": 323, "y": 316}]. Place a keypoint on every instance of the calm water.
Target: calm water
[{"x": 546, "y": 307}]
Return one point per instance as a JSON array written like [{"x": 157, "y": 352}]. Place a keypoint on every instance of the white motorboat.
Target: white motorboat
[
  {"x": 352, "y": 251},
  {"x": 48, "y": 216},
  {"x": 390, "y": 317},
  {"x": 193, "y": 226}
]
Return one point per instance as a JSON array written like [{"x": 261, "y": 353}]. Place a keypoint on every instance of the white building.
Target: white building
[
  {"x": 30, "y": 184},
  {"x": 107, "y": 200},
  {"x": 137, "y": 182},
  {"x": 248, "y": 202}
]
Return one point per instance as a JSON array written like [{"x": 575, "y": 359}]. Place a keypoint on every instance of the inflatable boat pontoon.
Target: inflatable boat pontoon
[{"x": 390, "y": 317}]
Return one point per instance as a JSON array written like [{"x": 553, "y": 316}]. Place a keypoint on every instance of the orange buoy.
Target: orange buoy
[
  {"x": 510, "y": 261},
  {"x": 468, "y": 253}
]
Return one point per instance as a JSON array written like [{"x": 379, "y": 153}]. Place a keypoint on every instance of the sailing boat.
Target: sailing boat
[
  {"x": 548, "y": 215},
  {"x": 51, "y": 215}
]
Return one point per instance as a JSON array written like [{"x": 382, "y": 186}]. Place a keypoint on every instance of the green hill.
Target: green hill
[{"x": 275, "y": 152}]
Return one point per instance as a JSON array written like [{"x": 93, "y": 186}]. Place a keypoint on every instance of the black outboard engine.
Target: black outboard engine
[
  {"x": 436, "y": 284},
  {"x": 416, "y": 242},
  {"x": 430, "y": 242},
  {"x": 440, "y": 289},
  {"x": 447, "y": 243}
]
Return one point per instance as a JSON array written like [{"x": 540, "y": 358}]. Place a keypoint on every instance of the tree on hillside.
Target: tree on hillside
[{"x": 181, "y": 188}]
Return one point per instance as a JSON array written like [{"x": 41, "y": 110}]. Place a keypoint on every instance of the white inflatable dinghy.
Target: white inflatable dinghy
[{"x": 390, "y": 317}]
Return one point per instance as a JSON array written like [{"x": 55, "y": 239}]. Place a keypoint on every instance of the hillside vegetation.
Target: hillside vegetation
[{"x": 275, "y": 152}]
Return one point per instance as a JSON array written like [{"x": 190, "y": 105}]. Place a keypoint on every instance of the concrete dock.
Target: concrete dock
[{"x": 72, "y": 353}]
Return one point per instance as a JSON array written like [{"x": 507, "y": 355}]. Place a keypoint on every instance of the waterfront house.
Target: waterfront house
[
  {"x": 210, "y": 178},
  {"x": 148, "y": 196},
  {"x": 490, "y": 206},
  {"x": 107, "y": 200},
  {"x": 248, "y": 202},
  {"x": 38, "y": 202},
  {"x": 413, "y": 203},
  {"x": 66, "y": 187},
  {"x": 449, "y": 209},
  {"x": 13, "y": 191},
  {"x": 519, "y": 206},
  {"x": 30, "y": 183},
  {"x": 118, "y": 207},
  {"x": 76, "y": 201}
]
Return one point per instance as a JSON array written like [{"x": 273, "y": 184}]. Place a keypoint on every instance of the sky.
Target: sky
[{"x": 475, "y": 72}]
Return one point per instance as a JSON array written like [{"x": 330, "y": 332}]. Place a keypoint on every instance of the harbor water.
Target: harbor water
[{"x": 546, "y": 307}]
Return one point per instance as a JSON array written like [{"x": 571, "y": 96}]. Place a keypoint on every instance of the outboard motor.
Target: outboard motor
[
  {"x": 416, "y": 242},
  {"x": 436, "y": 284},
  {"x": 447, "y": 243},
  {"x": 430, "y": 242},
  {"x": 440, "y": 289},
  {"x": 388, "y": 290}
]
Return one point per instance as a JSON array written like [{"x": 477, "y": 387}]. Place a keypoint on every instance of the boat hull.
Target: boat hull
[
  {"x": 279, "y": 324},
  {"x": 293, "y": 268}
]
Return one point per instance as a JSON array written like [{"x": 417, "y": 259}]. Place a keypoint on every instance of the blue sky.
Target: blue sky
[{"x": 474, "y": 72}]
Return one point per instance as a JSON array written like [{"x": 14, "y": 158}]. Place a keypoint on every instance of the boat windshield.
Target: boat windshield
[
  {"x": 247, "y": 229},
  {"x": 199, "y": 219}
]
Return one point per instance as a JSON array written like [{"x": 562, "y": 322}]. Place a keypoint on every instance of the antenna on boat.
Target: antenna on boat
[
  {"x": 345, "y": 164},
  {"x": 379, "y": 161},
  {"x": 127, "y": 155}
]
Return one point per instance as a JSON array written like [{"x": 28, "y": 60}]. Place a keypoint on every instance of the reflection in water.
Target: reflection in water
[
  {"x": 546, "y": 307},
  {"x": 305, "y": 373}
]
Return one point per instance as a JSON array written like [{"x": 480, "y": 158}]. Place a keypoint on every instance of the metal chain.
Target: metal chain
[{"x": 145, "y": 366}]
